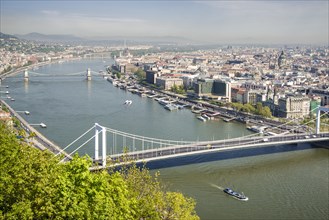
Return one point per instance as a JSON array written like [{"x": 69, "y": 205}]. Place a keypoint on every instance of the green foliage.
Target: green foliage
[
  {"x": 32, "y": 135},
  {"x": 311, "y": 123},
  {"x": 259, "y": 110},
  {"x": 34, "y": 185},
  {"x": 248, "y": 108},
  {"x": 152, "y": 202},
  {"x": 4, "y": 108},
  {"x": 178, "y": 89},
  {"x": 8, "y": 69},
  {"x": 21, "y": 132},
  {"x": 266, "y": 112},
  {"x": 140, "y": 74},
  {"x": 115, "y": 72},
  {"x": 16, "y": 123},
  {"x": 237, "y": 106}
]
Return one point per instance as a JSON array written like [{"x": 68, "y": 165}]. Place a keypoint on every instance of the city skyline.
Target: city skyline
[{"x": 201, "y": 21}]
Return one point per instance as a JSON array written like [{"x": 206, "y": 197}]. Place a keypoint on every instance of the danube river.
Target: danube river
[{"x": 290, "y": 185}]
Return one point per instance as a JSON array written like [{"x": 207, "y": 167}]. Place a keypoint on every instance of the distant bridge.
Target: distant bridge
[
  {"x": 88, "y": 74},
  {"x": 98, "y": 56},
  {"x": 142, "y": 149}
]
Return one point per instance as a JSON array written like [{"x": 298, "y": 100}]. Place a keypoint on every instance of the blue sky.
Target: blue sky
[{"x": 207, "y": 21}]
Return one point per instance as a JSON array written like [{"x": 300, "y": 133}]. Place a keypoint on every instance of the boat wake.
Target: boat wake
[{"x": 218, "y": 187}]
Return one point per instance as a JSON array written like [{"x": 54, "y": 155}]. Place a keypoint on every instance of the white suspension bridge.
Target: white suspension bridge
[
  {"x": 88, "y": 74},
  {"x": 117, "y": 145}
]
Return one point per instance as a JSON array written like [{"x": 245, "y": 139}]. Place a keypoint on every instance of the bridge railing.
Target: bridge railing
[{"x": 217, "y": 145}]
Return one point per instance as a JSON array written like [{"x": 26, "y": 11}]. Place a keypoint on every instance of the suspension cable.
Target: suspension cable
[
  {"x": 80, "y": 146},
  {"x": 74, "y": 141}
]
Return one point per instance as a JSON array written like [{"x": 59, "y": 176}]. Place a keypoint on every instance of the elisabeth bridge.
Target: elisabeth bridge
[
  {"x": 115, "y": 148},
  {"x": 159, "y": 153}
]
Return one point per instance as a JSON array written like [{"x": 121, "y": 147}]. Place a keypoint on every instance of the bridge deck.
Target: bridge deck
[{"x": 216, "y": 146}]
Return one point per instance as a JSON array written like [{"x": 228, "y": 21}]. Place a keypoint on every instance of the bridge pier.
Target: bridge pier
[
  {"x": 26, "y": 76},
  {"x": 318, "y": 114},
  {"x": 102, "y": 130},
  {"x": 88, "y": 74}
]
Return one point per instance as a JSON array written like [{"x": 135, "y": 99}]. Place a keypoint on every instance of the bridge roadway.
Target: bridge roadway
[
  {"x": 216, "y": 146},
  {"x": 39, "y": 141}
]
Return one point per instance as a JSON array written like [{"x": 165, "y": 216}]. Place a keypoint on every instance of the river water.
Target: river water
[{"x": 290, "y": 185}]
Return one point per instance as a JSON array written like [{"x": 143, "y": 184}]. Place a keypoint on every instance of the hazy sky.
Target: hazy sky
[{"x": 209, "y": 21}]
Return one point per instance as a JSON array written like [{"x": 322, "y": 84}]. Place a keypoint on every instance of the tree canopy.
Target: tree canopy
[
  {"x": 141, "y": 75},
  {"x": 34, "y": 185},
  {"x": 178, "y": 89},
  {"x": 259, "y": 110}
]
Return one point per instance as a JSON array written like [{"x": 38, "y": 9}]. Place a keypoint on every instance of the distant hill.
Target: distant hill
[
  {"x": 49, "y": 38},
  {"x": 146, "y": 39},
  {"x": 6, "y": 36},
  {"x": 58, "y": 38}
]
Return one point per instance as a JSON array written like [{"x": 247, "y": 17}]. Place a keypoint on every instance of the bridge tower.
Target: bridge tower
[
  {"x": 26, "y": 76},
  {"x": 88, "y": 74},
  {"x": 100, "y": 130},
  {"x": 320, "y": 109}
]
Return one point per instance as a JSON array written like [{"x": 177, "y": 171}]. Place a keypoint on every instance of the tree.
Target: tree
[
  {"x": 237, "y": 106},
  {"x": 140, "y": 74},
  {"x": 32, "y": 135},
  {"x": 22, "y": 133},
  {"x": 16, "y": 122},
  {"x": 153, "y": 202},
  {"x": 259, "y": 108},
  {"x": 34, "y": 185},
  {"x": 177, "y": 89},
  {"x": 267, "y": 112},
  {"x": 249, "y": 108}
]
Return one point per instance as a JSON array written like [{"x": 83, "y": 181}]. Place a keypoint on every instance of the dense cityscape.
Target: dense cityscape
[{"x": 291, "y": 81}]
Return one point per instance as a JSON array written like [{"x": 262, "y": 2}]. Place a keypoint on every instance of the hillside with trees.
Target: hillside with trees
[{"x": 35, "y": 185}]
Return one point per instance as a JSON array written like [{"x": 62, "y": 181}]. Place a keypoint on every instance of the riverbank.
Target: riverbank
[
  {"x": 39, "y": 141},
  {"x": 39, "y": 64},
  {"x": 204, "y": 111}
]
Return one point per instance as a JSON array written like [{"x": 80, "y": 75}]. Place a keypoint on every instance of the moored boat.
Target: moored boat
[
  {"x": 171, "y": 107},
  {"x": 201, "y": 118},
  {"x": 128, "y": 102},
  {"x": 205, "y": 116},
  {"x": 239, "y": 196}
]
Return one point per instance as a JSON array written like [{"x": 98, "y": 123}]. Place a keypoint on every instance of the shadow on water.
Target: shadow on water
[{"x": 223, "y": 155}]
